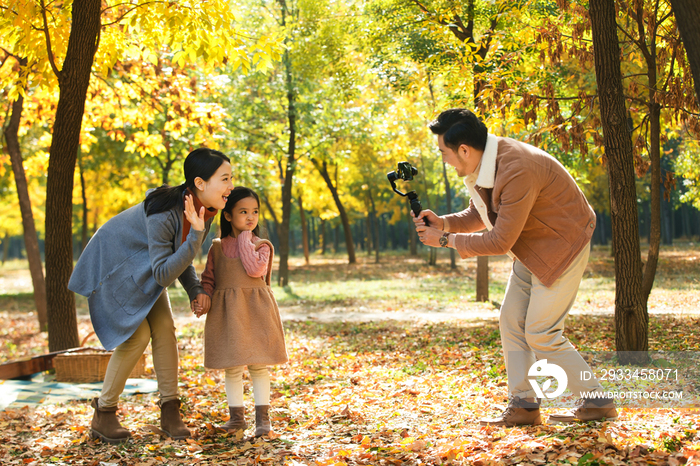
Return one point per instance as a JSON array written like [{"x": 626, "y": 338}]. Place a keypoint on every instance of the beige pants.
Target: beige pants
[
  {"x": 532, "y": 327},
  {"x": 159, "y": 328}
]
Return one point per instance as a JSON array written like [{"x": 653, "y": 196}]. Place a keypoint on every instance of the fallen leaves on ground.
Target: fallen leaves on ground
[
  {"x": 360, "y": 393},
  {"x": 384, "y": 392}
]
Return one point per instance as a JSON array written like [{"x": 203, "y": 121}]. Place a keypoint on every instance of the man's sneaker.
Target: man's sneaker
[
  {"x": 519, "y": 412},
  {"x": 588, "y": 409}
]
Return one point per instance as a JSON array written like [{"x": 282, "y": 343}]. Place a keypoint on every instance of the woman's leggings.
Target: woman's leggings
[
  {"x": 159, "y": 328},
  {"x": 259, "y": 374}
]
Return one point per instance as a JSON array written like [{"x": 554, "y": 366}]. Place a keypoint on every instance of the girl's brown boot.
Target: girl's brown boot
[
  {"x": 236, "y": 420},
  {"x": 262, "y": 420}
]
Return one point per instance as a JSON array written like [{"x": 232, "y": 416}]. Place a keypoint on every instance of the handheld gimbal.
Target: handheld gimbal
[{"x": 405, "y": 171}]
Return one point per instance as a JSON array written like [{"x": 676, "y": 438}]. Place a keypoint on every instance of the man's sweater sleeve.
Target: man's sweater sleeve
[
  {"x": 466, "y": 221},
  {"x": 517, "y": 197}
]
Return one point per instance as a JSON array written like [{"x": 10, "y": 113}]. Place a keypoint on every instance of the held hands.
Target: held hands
[
  {"x": 428, "y": 235},
  {"x": 195, "y": 219},
  {"x": 201, "y": 304}
]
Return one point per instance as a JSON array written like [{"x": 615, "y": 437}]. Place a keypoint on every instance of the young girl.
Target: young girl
[{"x": 243, "y": 326}]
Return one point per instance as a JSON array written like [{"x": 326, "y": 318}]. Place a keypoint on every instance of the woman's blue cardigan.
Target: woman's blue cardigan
[{"x": 126, "y": 265}]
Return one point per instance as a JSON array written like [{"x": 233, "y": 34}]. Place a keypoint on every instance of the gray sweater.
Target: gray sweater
[{"x": 126, "y": 265}]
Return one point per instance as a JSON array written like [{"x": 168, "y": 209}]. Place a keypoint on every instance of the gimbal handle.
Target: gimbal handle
[
  {"x": 412, "y": 197},
  {"x": 415, "y": 204}
]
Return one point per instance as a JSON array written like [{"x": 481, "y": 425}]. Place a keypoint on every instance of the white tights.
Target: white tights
[{"x": 259, "y": 374}]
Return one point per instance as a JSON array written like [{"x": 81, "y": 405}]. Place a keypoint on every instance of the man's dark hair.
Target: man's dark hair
[{"x": 460, "y": 126}]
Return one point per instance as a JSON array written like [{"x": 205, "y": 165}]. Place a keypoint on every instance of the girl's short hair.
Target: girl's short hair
[{"x": 238, "y": 193}]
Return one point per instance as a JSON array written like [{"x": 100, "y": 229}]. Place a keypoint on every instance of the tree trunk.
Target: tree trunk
[
  {"x": 31, "y": 240},
  {"x": 304, "y": 231},
  {"x": 649, "y": 51},
  {"x": 687, "y": 14},
  {"x": 481, "y": 46},
  {"x": 374, "y": 221},
  {"x": 95, "y": 219},
  {"x": 288, "y": 176},
  {"x": 5, "y": 247},
  {"x": 655, "y": 185},
  {"x": 73, "y": 81},
  {"x": 432, "y": 252},
  {"x": 84, "y": 233},
  {"x": 368, "y": 226},
  {"x": 412, "y": 237},
  {"x": 313, "y": 238},
  {"x": 359, "y": 237},
  {"x": 324, "y": 243},
  {"x": 448, "y": 201},
  {"x": 631, "y": 318},
  {"x": 349, "y": 245},
  {"x": 336, "y": 239},
  {"x": 482, "y": 278}
]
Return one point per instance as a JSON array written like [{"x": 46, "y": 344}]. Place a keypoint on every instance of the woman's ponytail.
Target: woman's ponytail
[{"x": 164, "y": 198}]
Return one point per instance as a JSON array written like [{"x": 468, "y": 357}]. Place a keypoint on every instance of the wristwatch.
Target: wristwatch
[{"x": 444, "y": 240}]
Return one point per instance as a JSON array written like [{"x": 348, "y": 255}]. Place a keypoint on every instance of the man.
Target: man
[{"x": 533, "y": 211}]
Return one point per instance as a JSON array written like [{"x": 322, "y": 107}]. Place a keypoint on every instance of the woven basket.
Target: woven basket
[{"x": 86, "y": 365}]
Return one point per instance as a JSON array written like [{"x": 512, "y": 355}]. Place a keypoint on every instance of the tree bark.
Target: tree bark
[
  {"x": 687, "y": 14},
  {"x": 412, "y": 236},
  {"x": 31, "y": 240},
  {"x": 465, "y": 33},
  {"x": 482, "y": 278},
  {"x": 73, "y": 81},
  {"x": 5, "y": 247},
  {"x": 288, "y": 175},
  {"x": 349, "y": 245},
  {"x": 304, "y": 231},
  {"x": 84, "y": 229},
  {"x": 432, "y": 252},
  {"x": 631, "y": 318},
  {"x": 448, "y": 201},
  {"x": 95, "y": 219},
  {"x": 654, "y": 111},
  {"x": 655, "y": 192},
  {"x": 375, "y": 226},
  {"x": 368, "y": 228}
]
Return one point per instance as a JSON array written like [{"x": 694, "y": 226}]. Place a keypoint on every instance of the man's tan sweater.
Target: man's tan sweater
[{"x": 536, "y": 208}]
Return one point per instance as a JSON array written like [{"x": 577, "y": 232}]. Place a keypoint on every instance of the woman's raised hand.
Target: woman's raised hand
[{"x": 196, "y": 219}]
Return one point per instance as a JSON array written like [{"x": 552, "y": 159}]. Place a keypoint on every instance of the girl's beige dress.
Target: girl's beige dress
[{"x": 243, "y": 326}]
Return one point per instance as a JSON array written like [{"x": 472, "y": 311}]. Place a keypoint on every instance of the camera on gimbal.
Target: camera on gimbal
[{"x": 404, "y": 171}]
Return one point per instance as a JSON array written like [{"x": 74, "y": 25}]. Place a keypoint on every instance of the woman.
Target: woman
[{"x": 124, "y": 272}]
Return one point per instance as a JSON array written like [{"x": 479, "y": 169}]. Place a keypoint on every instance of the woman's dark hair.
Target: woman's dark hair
[
  {"x": 238, "y": 193},
  {"x": 460, "y": 126},
  {"x": 200, "y": 163}
]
